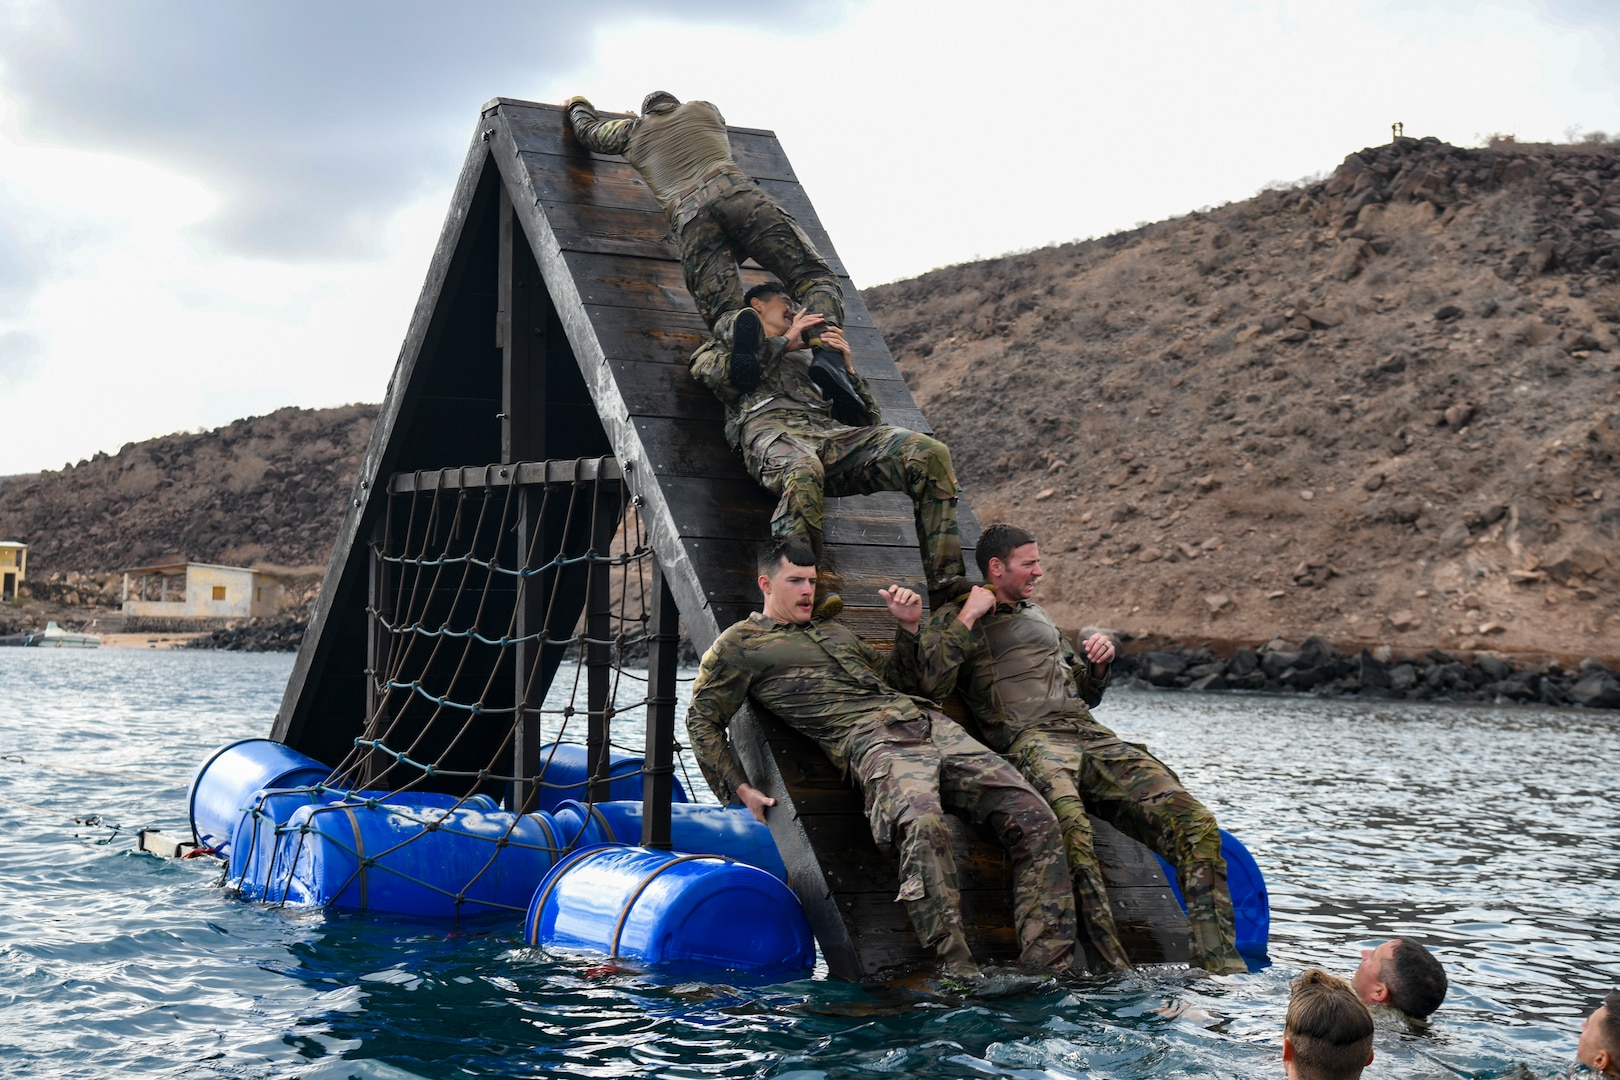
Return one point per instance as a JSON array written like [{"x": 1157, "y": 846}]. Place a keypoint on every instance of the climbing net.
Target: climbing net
[{"x": 510, "y": 642}]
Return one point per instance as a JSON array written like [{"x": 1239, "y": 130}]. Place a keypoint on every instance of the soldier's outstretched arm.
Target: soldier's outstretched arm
[{"x": 602, "y": 136}]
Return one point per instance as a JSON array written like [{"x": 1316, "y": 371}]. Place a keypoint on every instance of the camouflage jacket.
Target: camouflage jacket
[
  {"x": 784, "y": 400},
  {"x": 1014, "y": 669},
  {"x": 820, "y": 678},
  {"x": 673, "y": 150}
]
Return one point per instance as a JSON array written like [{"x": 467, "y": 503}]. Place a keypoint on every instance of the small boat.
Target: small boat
[{"x": 54, "y": 637}]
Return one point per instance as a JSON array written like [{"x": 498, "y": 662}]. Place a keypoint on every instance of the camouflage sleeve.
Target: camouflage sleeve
[
  {"x": 1088, "y": 685},
  {"x": 715, "y": 108},
  {"x": 942, "y": 648},
  {"x": 720, "y": 689},
  {"x": 602, "y": 136},
  {"x": 710, "y": 365}
]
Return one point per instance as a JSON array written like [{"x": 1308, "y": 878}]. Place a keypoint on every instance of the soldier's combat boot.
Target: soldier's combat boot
[
  {"x": 746, "y": 335},
  {"x": 827, "y": 372}
]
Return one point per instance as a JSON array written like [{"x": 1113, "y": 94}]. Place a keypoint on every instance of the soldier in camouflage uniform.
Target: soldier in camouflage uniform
[
  {"x": 910, "y": 763},
  {"x": 795, "y": 449},
  {"x": 720, "y": 217},
  {"x": 1029, "y": 693}
]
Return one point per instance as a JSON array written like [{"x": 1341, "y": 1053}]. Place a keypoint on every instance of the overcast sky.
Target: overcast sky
[{"x": 212, "y": 210}]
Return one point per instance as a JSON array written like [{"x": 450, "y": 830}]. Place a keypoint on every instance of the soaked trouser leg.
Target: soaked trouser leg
[
  {"x": 900, "y": 784},
  {"x": 976, "y": 781},
  {"x": 860, "y": 461},
  {"x": 739, "y": 222},
  {"x": 1139, "y": 795},
  {"x": 1049, "y": 761}
]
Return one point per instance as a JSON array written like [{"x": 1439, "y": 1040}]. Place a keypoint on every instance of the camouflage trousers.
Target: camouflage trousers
[
  {"x": 802, "y": 466},
  {"x": 908, "y": 786},
  {"x": 1080, "y": 771},
  {"x": 728, "y": 219}
]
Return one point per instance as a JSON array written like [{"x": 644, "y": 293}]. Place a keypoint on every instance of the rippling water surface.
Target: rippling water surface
[{"x": 1493, "y": 833}]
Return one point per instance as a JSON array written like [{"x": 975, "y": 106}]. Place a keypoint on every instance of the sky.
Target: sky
[{"x": 214, "y": 210}]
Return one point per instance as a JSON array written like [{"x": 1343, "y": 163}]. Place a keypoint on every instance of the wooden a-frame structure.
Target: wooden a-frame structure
[{"x": 550, "y": 341}]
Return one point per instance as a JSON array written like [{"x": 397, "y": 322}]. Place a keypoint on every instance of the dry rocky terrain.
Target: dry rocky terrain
[{"x": 1382, "y": 408}]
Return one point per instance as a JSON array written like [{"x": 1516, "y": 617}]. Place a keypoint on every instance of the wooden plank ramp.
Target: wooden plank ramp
[{"x": 554, "y": 323}]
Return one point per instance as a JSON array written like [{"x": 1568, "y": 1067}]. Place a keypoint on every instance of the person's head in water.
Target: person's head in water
[
  {"x": 1403, "y": 975},
  {"x": 1010, "y": 559},
  {"x": 787, "y": 581},
  {"x": 1599, "y": 1048},
  {"x": 658, "y": 101},
  {"x": 1328, "y": 1033},
  {"x": 775, "y": 307}
]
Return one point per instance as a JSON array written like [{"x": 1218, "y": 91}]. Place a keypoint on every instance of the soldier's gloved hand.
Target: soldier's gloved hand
[{"x": 578, "y": 100}]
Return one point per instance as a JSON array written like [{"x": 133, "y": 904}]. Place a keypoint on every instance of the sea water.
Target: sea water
[{"x": 1492, "y": 833}]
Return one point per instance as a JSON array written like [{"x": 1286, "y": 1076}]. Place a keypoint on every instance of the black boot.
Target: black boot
[
  {"x": 827, "y": 372},
  {"x": 746, "y": 335}
]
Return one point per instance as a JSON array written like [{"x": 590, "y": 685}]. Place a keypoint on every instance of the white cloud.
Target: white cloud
[{"x": 927, "y": 132}]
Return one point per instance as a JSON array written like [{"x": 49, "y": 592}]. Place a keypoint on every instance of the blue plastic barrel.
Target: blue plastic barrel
[
  {"x": 404, "y": 858},
  {"x": 1251, "y": 907},
  {"x": 253, "y": 840},
  {"x": 564, "y": 773},
  {"x": 695, "y": 828},
  {"x": 659, "y": 907},
  {"x": 232, "y": 774}
]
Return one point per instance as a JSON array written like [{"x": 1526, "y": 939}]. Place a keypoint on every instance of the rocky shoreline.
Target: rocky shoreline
[{"x": 1315, "y": 667}]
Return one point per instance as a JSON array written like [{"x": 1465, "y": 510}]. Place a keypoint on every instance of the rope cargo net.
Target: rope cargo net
[{"x": 506, "y": 618}]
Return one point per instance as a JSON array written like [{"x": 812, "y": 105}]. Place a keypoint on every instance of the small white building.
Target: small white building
[
  {"x": 193, "y": 590},
  {"x": 13, "y": 567}
]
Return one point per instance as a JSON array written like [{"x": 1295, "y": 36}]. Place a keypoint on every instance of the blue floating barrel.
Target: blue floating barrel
[
  {"x": 696, "y": 828},
  {"x": 564, "y": 772},
  {"x": 659, "y": 907},
  {"x": 251, "y": 855},
  {"x": 232, "y": 774},
  {"x": 405, "y": 858},
  {"x": 1251, "y": 907}
]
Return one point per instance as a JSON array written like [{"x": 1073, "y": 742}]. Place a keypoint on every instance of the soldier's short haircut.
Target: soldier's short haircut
[
  {"x": 997, "y": 542},
  {"x": 1416, "y": 981},
  {"x": 763, "y": 289},
  {"x": 1330, "y": 1029},
  {"x": 795, "y": 549},
  {"x": 1609, "y": 1029}
]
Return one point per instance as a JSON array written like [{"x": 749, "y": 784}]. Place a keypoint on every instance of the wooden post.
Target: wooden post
[
  {"x": 663, "y": 655},
  {"x": 530, "y": 619},
  {"x": 380, "y": 604},
  {"x": 598, "y": 649},
  {"x": 520, "y": 334}
]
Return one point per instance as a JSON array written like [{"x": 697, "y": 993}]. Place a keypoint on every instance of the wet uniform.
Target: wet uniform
[
  {"x": 1029, "y": 692},
  {"x": 720, "y": 216},
  {"x": 910, "y": 763},
  {"x": 794, "y": 448}
]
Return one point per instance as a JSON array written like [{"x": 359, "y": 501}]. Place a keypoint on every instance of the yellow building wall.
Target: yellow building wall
[{"x": 13, "y": 569}]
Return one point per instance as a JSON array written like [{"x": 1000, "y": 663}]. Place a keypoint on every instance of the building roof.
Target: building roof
[{"x": 179, "y": 566}]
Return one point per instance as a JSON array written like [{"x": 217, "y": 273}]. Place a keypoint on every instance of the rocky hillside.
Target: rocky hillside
[
  {"x": 269, "y": 490},
  {"x": 1383, "y": 407}
]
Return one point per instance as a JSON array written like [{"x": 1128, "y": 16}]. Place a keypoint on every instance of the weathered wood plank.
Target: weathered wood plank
[
  {"x": 657, "y": 285},
  {"x": 543, "y": 129}
]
